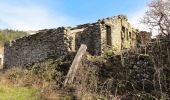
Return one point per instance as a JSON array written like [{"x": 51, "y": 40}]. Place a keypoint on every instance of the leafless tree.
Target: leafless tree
[{"x": 158, "y": 16}]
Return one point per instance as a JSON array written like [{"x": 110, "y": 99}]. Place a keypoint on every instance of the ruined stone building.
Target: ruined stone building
[
  {"x": 143, "y": 38},
  {"x": 113, "y": 33}
]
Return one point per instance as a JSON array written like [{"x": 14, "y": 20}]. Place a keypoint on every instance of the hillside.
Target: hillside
[{"x": 7, "y": 35}]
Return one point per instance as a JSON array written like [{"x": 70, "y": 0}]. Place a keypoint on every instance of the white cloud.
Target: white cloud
[
  {"x": 30, "y": 17},
  {"x": 135, "y": 19}
]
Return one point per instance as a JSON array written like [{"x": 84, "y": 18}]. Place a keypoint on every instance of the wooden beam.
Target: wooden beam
[{"x": 74, "y": 66}]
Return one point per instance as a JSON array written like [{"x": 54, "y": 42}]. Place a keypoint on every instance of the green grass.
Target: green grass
[{"x": 19, "y": 93}]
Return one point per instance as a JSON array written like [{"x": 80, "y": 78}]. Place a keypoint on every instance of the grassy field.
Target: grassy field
[{"x": 19, "y": 93}]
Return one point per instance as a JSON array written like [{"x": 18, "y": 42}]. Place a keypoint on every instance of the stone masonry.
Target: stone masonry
[
  {"x": 34, "y": 48},
  {"x": 113, "y": 33}
]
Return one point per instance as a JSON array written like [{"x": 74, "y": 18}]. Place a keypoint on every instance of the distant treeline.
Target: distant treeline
[{"x": 7, "y": 35}]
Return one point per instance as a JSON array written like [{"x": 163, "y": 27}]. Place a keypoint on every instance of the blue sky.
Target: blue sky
[{"x": 40, "y": 14}]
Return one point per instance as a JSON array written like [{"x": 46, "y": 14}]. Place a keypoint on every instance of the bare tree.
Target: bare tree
[{"x": 158, "y": 16}]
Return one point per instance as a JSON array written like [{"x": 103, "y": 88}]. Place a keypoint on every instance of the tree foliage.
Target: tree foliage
[{"x": 158, "y": 16}]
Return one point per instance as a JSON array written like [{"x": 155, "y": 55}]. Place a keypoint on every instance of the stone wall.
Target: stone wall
[
  {"x": 122, "y": 34},
  {"x": 109, "y": 34},
  {"x": 45, "y": 44},
  {"x": 143, "y": 38},
  {"x": 1, "y": 55},
  {"x": 91, "y": 37},
  {"x": 88, "y": 34}
]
